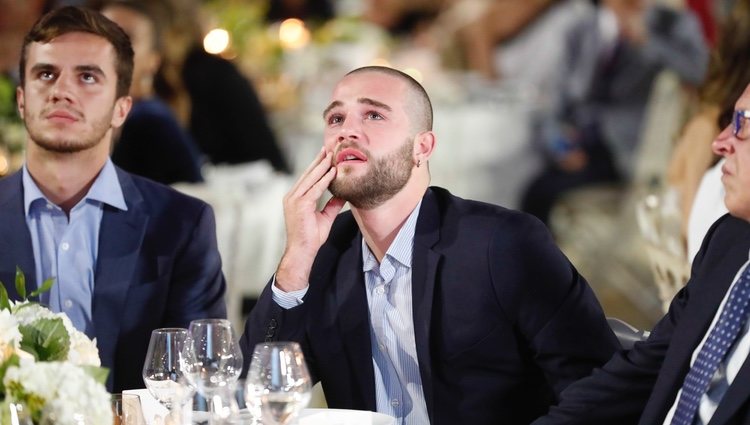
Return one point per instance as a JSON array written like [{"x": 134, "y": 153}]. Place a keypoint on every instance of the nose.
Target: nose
[
  {"x": 61, "y": 89},
  {"x": 723, "y": 144},
  {"x": 350, "y": 129}
]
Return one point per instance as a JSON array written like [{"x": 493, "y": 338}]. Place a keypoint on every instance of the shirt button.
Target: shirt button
[
  {"x": 65, "y": 246},
  {"x": 395, "y": 402},
  {"x": 49, "y": 206},
  {"x": 380, "y": 290},
  {"x": 68, "y": 304},
  {"x": 381, "y": 346}
]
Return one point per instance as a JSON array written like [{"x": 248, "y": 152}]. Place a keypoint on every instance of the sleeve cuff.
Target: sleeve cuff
[{"x": 287, "y": 300}]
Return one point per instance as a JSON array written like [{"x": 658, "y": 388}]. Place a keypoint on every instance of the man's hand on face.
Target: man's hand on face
[{"x": 306, "y": 227}]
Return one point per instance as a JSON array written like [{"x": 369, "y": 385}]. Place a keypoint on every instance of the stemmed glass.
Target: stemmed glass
[
  {"x": 163, "y": 369},
  {"x": 278, "y": 381},
  {"x": 213, "y": 360}
]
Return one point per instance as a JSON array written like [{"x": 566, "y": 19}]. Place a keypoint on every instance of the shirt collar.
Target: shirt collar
[
  {"x": 105, "y": 189},
  {"x": 401, "y": 247}
]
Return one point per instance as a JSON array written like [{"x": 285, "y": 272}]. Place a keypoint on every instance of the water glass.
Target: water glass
[
  {"x": 163, "y": 369},
  {"x": 278, "y": 382},
  {"x": 213, "y": 361}
]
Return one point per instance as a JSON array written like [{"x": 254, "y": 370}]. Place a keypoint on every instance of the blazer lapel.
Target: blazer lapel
[
  {"x": 355, "y": 326},
  {"x": 707, "y": 293},
  {"x": 424, "y": 269},
  {"x": 15, "y": 240},
  {"x": 120, "y": 238}
]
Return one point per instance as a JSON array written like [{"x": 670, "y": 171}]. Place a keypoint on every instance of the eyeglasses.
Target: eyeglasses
[{"x": 740, "y": 126}]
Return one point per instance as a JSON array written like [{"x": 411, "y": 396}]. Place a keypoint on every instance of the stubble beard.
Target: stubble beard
[
  {"x": 67, "y": 145},
  {"x": 385, "y": 178}
]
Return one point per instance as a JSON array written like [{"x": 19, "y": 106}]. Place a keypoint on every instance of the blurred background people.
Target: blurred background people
[
  {"x": 212, "y": 97},
  {"x": 152, "y": 142},
  {"x": 613, "y": 58}
]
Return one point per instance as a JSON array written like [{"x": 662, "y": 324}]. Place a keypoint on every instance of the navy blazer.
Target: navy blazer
[
  {"x": 158, "y": 265},
  {"x": 641, "y": 385},
  {"x": 502, "y": 321}
]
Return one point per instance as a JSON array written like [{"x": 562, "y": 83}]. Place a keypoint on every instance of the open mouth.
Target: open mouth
[{"x": 350, "y": 156}]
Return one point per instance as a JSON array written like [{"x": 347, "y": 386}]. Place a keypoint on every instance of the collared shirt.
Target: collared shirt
[
  {"x": 66, "y": 248},
  {"x": 398, "y": 384},
  {"x": 728, "y": 369}
]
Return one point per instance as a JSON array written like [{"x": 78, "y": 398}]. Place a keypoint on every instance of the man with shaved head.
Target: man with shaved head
[{"x": 416, "y": 303}]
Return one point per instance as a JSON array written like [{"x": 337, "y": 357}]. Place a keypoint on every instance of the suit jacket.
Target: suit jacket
[
  {"x": 641, "y": 385},
  {"x": 158, "y": 266},
  {"x": 502, "y": 321}
]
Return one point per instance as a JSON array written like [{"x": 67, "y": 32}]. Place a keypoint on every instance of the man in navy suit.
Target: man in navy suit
[
  {"x": 417, "y": 303},
  {"x": 654, "y": 382},
  {"x": 128, "y": 255}
]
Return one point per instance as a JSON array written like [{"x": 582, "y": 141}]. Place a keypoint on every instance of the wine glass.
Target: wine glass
[
  {"x": 278, "y": 382},
  {"x": 213, "y": 360},
  {"x": 126, "y": 409},
  {"x": 163, "y": 369}
]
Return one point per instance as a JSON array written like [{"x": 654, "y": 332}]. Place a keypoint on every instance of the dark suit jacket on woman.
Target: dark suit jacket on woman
[
  {"x": 640, "y": 385},
  {"x": 502, "y": 321},
  {"x": 158, "y": 265}
]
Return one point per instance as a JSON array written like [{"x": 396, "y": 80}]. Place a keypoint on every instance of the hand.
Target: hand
[{"x": 306, "y": 227}]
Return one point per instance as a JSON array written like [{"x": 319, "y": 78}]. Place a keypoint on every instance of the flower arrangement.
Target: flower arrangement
[{"x": 48, "y": 366}]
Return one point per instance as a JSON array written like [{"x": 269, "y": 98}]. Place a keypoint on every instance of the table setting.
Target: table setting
[{"x": 192, "y": 377}]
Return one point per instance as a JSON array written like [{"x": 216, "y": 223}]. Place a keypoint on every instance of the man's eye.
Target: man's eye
[
  {"x": 374, "y": 116},
  {"x": 335, "y": 119},
  {"x": 46, "y": 75},
  {"x": 88, "y": 78}
]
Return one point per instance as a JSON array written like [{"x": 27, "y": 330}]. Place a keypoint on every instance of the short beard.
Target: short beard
[
  {"x": 68, "y": 146},
  {"x": 385, "y": 178}
]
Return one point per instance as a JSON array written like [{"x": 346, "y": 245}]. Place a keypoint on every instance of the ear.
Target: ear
[
  {"x": 424, "y": 144},
  {"x": 121, "y": 110},
  {"x": 20, "y": 101}
]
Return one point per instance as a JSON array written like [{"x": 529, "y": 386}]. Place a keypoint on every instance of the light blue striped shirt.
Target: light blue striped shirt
[
  {"x": 398, "y": 384},
  {"x": 66, "y": 248}
]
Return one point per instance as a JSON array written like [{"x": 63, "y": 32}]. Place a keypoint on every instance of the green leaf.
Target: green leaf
[
  {"x": 98, "y": 373},
  {"x": 4, "y": 301},
  {"x": 20, "y": 283},
  {"x": 46, "y": 286},
  {"x": 46, "y": 339}
]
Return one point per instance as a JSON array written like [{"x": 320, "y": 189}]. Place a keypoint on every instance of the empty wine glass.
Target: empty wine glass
[
  {"x": 278, "y": 382},
  {"x": 163, "y": 369},
  {"x": 213, "y": 360}
]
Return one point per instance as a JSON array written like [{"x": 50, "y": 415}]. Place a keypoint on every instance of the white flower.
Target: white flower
[
  {"x": 67, "y": 391},
  {"x": 10, "y": 336},
  {"x": 83, "y": 351}
]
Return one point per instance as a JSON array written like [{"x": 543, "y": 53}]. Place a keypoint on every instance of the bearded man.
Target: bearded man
[{"x": 416, "y": 303}]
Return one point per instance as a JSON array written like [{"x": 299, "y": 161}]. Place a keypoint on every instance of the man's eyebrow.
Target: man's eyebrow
[
  {"x": 333, "y": 104},
  {"x": 374, "y": 102},
  {"x": 94, "y": 69},
  {"x": 38, "y": 67}
]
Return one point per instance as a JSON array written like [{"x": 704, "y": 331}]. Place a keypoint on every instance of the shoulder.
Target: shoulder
[
  {"x": 157, "y": 198},
  {"x": 465, "y": 213}
]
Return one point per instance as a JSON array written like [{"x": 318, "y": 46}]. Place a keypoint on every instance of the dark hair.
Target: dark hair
[
  {"x": 77, "y": 19},
  {"x": 729, "y": 67},
  {"x": 423, "y": 108},
  {"x": 154, "y": 11}
]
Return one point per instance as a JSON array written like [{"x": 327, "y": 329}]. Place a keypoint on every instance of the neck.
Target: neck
[
  {"x": 64, "y": 178},
  {"x": 381, "y": 224}
]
